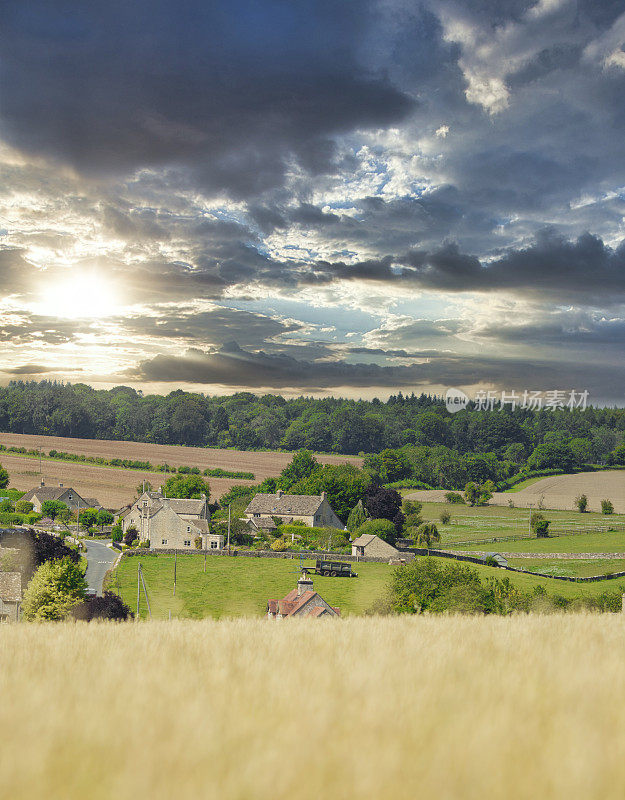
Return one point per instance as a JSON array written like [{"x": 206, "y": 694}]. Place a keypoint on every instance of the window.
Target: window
[
  {"x": 70, "y": 497},
  {"x": 145, "y": 503},
  {"x": 187, "y": 542},
  {"x": 256, "y": 515},
  {"x": 163, "y": 541},
  {"x": 213, "y": 545},
  {"x": 188, "y": 529}
]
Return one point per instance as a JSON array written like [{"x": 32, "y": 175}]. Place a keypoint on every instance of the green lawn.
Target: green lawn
[
  {"x": 483, "y": 522},
  {"x": 241, "y": 586},
  {"x": 236, "y": 587},
  {"x": 571, "y": 567},
  {"x": 579, "y": 543}
]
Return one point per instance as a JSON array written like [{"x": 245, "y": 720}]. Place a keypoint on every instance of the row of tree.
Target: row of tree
[{"x": 247, "y": 421}]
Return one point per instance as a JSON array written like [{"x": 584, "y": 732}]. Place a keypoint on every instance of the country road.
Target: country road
[{"x": 100, "y": 559}]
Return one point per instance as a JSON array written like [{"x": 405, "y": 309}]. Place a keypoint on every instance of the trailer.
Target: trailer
[{"x": 334, "y": 569}]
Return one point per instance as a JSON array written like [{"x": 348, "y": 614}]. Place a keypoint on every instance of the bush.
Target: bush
[
  {"x": 22, "y": 507},
  {"x": 445, "y": 517},
  {"x": 412, "y": 507},
  {"x": 278, "y": 545},
  {"x": 427, "y": 535},
  {"x": 132, "y": 534},
  {"x": 56, "y": 587},
  {"x": 110, "y": 606},
  {"x": 541, "y": 529},
  {"x": 455, "y": 498},
  {"x": 116, "y": 533},
  {"x": 581, "y": 503},
  {"x": 607, "y": 507}
]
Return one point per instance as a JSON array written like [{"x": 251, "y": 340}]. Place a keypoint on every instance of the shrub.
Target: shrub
[
  {"x": 132, "y": 534},
  {"x": 22, "y": 507},
  {"x": 109, "y": 606},
  {"x": 426, "y": 535},
  {"x": 581, "y": 503},
  {"x": 455, "y": 498},
  {"x": 383, "y": 528},
  {"x": 445, "y": 517},
  {"x": 278, "y": 545},
  {"x": 116, "y": 533},
  {"x": 541, "y": 529},
  {"x": 607, "y": 507},
  {"x": 412, "y": 507},
  {"x": 413, "y": 520},
  {"x": 56, "y": 587}
]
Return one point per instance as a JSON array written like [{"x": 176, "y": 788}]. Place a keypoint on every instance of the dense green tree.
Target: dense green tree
[
  {"x": 55, "y": 588},
  {"x": 302, "y": 466},
  {"x": 344, "y": 485},
  {"x": 88, "y": 517},
  {"x": 4, "y": 477},
  {"x": 53, "y": 508},
  {"x": 357, "y": 517},
  {"x": 383, "y": 528},
  {"x": 186, "y": 486}
]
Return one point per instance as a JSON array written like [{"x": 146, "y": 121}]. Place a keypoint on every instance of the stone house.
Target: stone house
[
  {"x": 61, "y": 494},
  {"x": 313, "y": 510},
  {"x": 10, "y": 596},
  {"x": 372, "y": 546},
  {"x": 171, "y": 523},
  {"x": 301, "y": 602}
]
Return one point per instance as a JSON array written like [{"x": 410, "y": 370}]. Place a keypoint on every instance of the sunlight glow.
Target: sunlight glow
[{"x": 87, "y": 295}]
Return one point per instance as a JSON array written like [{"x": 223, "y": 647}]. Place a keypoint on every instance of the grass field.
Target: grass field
[
  {"x": 581, "y": 543},
  {"x": 481, "y": 522},
  {"x": 241, "y": 586},
  {"x": 462, "y": 708},
  {"x": 114, "y": 487},
  {"x": 572, "y": 567}
]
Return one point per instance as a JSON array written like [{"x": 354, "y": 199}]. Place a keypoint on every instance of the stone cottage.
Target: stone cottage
[
  {"x": 171, "y": 523},
  {"x": 301, "y": 602},
  {"x": 373, "y": 547},
  {"x": 61, "y": 494},
  {"x": 10, "y": 596},
  {"x": 313, "y": 510}
]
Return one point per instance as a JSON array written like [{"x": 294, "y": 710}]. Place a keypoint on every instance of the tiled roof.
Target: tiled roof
[
  {"x": 263, "y": 523},
  {"x": 280, "y": 504},
  {"x": 92, "y": 502},
  {"x": 43, "y": 493},
  {"x": 186, "y": 506},
  {"x": 10, "y": 587},
  {"x": 365, "y": 539},
  {"x": 200, "y": 525}
]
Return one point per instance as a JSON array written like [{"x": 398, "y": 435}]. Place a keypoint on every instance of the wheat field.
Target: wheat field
[{"x": 452, "y": 707}]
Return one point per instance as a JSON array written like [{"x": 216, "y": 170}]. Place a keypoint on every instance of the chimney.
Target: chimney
[
  {"x": 279, "y": 493},
  {"x": 324, "y": 495},
  {"x": 43, "y": 483},
  {"x": 304, "y": 584},
  {"x": 60, "y": 485}
]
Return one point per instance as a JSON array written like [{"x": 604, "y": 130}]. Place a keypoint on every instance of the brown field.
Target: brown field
[
  {"x": 115, "y": 487},
  {"x": 477, "y": 708},
  {"x": 557, "y": 492}
]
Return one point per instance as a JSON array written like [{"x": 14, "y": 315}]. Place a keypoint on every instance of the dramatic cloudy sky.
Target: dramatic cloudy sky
[{"x": 314, "y": 196}]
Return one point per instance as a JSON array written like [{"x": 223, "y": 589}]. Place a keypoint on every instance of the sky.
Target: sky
[{"x": 312, "y": 197}]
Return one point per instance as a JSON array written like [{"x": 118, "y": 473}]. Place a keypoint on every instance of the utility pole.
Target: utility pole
[
  {"x": 228, "y": 528},
  {"x": 39, "y": 449},
  {"x": 138, "y": 589},
  {"x": 175, "y": 570},
  {"x": 530, "y": 522}
]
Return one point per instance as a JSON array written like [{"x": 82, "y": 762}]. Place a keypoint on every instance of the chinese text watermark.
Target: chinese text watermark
[{"x": 456, "y": 399}]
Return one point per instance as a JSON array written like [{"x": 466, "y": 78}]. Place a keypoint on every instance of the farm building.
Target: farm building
[
  {"x": 301, "y": 602},
  {"x": 10, "y": 596},
  {"x": 372, "y": 546},
  {"x": 61, "y": 494},
  {"x": 313, "y": 510},
  {"x": 171, "y": 523}
]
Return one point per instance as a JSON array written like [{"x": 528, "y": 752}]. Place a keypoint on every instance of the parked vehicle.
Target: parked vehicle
[{"x": 334, "y": 569}]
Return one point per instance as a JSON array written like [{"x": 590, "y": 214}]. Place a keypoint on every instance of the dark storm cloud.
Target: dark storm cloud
[
  {"x": 233, "y": 366},
  {"x": 586, "y": 270},
  {"x": 230, "y": 90},
  {"x": 215, "y": 327},
  {"x": 37, "y": 369}
]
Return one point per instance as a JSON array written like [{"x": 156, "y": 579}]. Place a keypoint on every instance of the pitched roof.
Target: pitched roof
[
  {"x": 10, "y": 587},
  {"x": 180, "y": 506},
  {"x": 92, "y": 502},
  {"x": 186, "y": 506},
  {"x": 43, "y": 493},
  {"x": 365, "y": 539},
  {"x": 262, "y": 523},
  {"x": 291, "y": 603},
  {"x": 304, "y": 505},
  {"x": 200, "y": 525}
]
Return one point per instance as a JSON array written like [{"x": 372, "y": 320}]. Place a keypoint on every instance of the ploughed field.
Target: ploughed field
[
  {"x": 555, "y": 491},
  {"x": 115, "y": 486},
  {"x": 430, "y": 706}
]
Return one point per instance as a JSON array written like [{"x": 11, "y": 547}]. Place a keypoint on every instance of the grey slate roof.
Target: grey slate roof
[
  {"x": 186, "y": 506},
  {"x": 364, "y": 540},
  {"x": 44, "y": 493},
  {"x": 10, "y": 587},
  {"x": 305, "y": 505}
]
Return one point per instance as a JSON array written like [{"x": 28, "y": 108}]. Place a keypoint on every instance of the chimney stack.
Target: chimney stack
[
  {"x": 60, "y": 485},
  {"x": 324, "y": 495},
  {"x": 43, "y": 483},
  {"x": 279, "y": 493},
  {"x": 304, "y": 584}
]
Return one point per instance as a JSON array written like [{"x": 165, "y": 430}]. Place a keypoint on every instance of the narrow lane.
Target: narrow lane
[{"x": 100, "y": 559}]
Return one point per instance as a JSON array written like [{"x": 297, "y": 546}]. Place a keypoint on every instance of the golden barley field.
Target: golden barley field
[{"x": 452, "y": 707}]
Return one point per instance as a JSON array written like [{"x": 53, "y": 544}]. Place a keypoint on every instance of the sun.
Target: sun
[{"x": 86, "y": 295}]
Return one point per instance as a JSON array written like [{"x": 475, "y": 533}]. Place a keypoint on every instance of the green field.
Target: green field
[
  {"x": 487, "y": 522},
  {"x": 237, "y": 587},
  {"x": 240, "y": 587},
  {"x": 579, "y": 543},
  {"x": 570, "y": 567}
]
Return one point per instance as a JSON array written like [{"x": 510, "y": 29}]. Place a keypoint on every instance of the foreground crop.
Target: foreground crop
[{"x": 375, "y": 708}]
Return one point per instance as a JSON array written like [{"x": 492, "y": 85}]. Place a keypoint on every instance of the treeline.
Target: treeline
[
  {"x": 247, "y": 421},
  {"x": 127, "y": 463}
]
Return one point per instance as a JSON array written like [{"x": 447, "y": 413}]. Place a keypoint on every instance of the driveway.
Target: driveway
[{"x": 100, "y": 559}]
